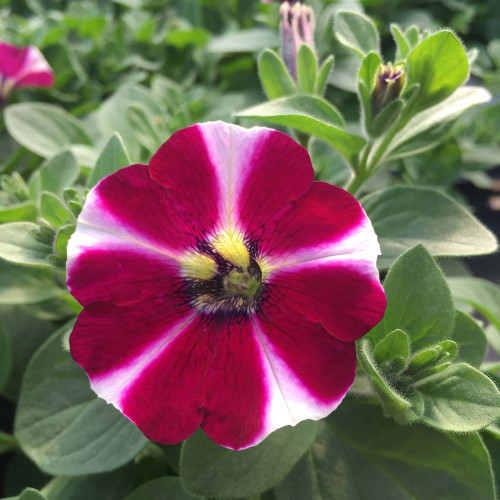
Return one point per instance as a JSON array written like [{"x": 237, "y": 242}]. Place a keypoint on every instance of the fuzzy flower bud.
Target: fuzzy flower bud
[
  {"x": 297, "y": 28},
  {"x": 389, "y": 83}
]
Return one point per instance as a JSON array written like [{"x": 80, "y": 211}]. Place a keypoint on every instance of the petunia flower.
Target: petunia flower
[
  {"x": 22, "y": 67},
  {"x": 222, "y": 287}
]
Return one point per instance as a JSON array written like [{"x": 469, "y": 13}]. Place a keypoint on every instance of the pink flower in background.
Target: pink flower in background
[
  {"x": 22, "y": 67},
  {"x": 222, "y": 287}
]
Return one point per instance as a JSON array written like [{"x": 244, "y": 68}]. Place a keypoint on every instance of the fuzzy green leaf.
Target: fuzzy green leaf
[
  {"x": 394, "y": 344},
  {"x": 307, "y": 68},
  {"x": 74, "y": 433},
  {"x": 428, "y": 128},
  {"x": 439, "y": 65},
  {"x": 405, "y": 215},
  {"x": 113, "y": 157},
  {"x": 359, "y": 454},
  {"x": 47, "y": 130},
  {"x": 418, "y": 300},
  {"x": 213, "y": 471},
  {"x": 162, "y": 488},
  {"x": 459, "y": 399},
  {"x": 323, "y": 74},
  {"x": 54, "y": 211},
  {"x": 55, "y": 175},
  {"x": 274, "y": 76},
  {"x": 401, "y": 42},
  {"x": 17, "y": 245},
  {"x": 109, "y": 486},
  {"x": 357, "y": 32},
  {"x": 470, "y": 338}
]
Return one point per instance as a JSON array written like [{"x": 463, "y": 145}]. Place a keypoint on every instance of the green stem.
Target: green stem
[
  {"x": 366, "y": 154},
  {"x": 368, "y": 166},
  {"x": 355, "y": 183}
]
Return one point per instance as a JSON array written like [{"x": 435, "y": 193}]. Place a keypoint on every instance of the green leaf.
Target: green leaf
[
  {"x": 248, "y": 40},
  {"x": 114, "y": 485},
  {"x": 484, "y": 296},
  {"x": 401, "y": 42},
  {"x": 18, "y": 245},
  {"x": 74, "y": 433},
  {"x": 311, "y": 115},
  {"x": 111, "y": 117},
  {"x": 274, "y": 75},
  {"x": 366, "y": 80},
  {"x": 368, "y": 70},
  {"x": 25, "y": 334},
  {"x": 323, "y": 74},
  {"x": 422, "y": 360},
  {"x": 359, "y": 455},
  {"x": 5, "y": 358},
  {"x": 394, "y": 344},
  {"x": 46, "y": 129},
  {"x": 439, "y": 65},
  {"x": 142, "y": 121},
  {"x": 392, "y": 401},
  {"x": 25, "y": 211},
  {"x": 412, "y": 35},
  {"x": 386, "y": 117},
  {"x": 211, "y": 470},
  {"x": 429, "y": 128},
  {"x": 459, "y": 399},
  {"x": 418, "y": 300},
  {"x": 54, "y": 175},
  {"x": 62, "y": 239},
  {"x": 31, "y": 494},
  {"x": 114, "y": 156},
  {"x": 357, "y": 32},
  {"x": 307, "y": 68},
  {"x": 471, "y": 340},
  {"x": 160, "y": 489},
  {"x": 21, "y": 285},
  {"x": 54, "y": 211},
  {"x": 405, "y": 215}
]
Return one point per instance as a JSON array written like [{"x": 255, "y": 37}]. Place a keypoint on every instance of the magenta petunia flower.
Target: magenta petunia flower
[
  {"x": 22, "y": 67},
  {"x": 222, "y": 287}
]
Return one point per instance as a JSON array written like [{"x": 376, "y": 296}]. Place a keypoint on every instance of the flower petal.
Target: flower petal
[
  {"x": 101, "y": 270},
  {"x": 325, "y": 221},
  {"x": 236, "y": 394},
  {"x": 165, "y": 400},
  {"x": 309, "y": 370},
  {"x": 113, "y": 343},
  {"x": 131, "y": 206},
  {"x": 239, "y": 167},
  {"x": 343, "y": 293}
]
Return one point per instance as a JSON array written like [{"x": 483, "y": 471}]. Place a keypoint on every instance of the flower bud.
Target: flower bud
[
  {"x": 389, "y": 83},
  {"x": 297, "y": 29}
]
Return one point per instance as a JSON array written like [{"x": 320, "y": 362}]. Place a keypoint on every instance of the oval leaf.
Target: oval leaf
[
  {"x": 211, "y": 470},
  {"x": 61, "y": 424},
  {"x": 459, "y": 399},
  {"x": 357, "y": 32},
  {"x": 439, "y": 65},
  {"x": 405, "y": 215},
  {"x": 44, "y": 129}
]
